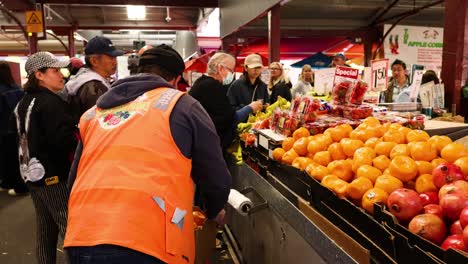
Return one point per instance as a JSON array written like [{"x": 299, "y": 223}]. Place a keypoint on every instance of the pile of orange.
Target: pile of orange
[{"x": 368, "y": 163}]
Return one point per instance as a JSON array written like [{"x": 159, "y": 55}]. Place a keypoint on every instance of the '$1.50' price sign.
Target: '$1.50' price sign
[{"x": 379, "y": 70}]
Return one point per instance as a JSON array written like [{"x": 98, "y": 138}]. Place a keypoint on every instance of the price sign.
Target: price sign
[{"x": 379, "y": 76}]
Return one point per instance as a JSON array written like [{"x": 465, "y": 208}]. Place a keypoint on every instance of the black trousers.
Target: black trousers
[{"x": 51, "y": 204}]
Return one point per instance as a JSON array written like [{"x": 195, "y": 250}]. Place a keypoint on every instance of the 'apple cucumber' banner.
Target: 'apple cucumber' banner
[{"x": 415, "y": 45}]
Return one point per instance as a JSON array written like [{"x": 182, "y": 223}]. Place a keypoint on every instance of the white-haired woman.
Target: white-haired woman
[
  {"x": 210, "y": 90},
  {"x": 46, "y": 143},
  {"x": 305, "y": 82},
  {"x": 278, "y": 85}
]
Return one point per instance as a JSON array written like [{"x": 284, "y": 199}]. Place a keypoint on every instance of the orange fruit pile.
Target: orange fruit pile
[{"x": 368, "y": 163}]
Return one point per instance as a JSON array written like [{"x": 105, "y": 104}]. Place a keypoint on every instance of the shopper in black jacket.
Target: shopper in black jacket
[
  {"x": 210, "y": 91},
  {"x": 277, "y": 85},
  {"x": 46, "y": 145},
  {"x": 249, "y": 87}
]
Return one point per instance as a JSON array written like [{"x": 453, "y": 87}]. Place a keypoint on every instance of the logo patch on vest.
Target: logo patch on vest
[
  {"x": 165, "y": 99},
  {"x": 114, "y": 117}
]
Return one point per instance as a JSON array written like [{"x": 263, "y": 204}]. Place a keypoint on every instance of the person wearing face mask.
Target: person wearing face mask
[
  {"x": 46, "y": 143},
  {"x": 145, "y": 146},
  {"x": 92, "y": 81},
  {"x": 210, "y": 91}
]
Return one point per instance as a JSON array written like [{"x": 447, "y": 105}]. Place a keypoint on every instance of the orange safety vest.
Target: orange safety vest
[{"x": 133, "y": 186}]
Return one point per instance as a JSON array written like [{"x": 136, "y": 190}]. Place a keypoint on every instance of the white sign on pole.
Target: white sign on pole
[
  {"x": 417, "y": 77},
  {"x": 367, "y": 76},
  {"x": 379, "y": 77},
  {"x": 415, "y": 45},
  {"x": 323, "y": 80},
  {"x": 439, "y": 96},
  {"x": 426, "y": 94}
]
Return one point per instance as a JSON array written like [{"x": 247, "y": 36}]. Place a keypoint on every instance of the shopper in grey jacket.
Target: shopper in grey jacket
[{"x": 305, "y": 82}]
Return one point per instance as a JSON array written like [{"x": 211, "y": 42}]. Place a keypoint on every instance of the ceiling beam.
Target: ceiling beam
[
  {"x": 170, "y": 3},
  {"x": 18, "y": 5},
  {"x": 115, "y": 27},
  {"x": 385, "y": 11},
  {"x": 288, "y": 33}
]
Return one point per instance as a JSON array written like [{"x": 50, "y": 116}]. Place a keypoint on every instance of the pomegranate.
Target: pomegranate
[
  {"x": 453, "y": 241},
  {"x": 429, "y": 226},
  {"x": 456, "y": 228},
  {"x": 446, "y": 173},
  {"x": 452, "y": 205},
  {"x": 464, "y": 217},
  {"x": 456, "y": 186},
  {"x": 404, "y": 204},
  {"x": 429, "y": 198},
  {"x": 434, "y": 209}
]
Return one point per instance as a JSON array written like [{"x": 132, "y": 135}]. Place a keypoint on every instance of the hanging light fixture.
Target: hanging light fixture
[{"x": 135, "y": 12}]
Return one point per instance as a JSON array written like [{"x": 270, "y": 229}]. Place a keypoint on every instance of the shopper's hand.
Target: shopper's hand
[
  {"x": 219, "y": 219},
  {"x": 256, "y": 106}
]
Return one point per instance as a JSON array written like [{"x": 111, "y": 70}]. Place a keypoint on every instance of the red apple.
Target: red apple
[
  {"x": 453, "y": 241},
  {"x": 465, "y": 237},
  {"x": 464, "y": 217},
  {"x": 429, "y": 198},
  {"x": 456, "y": 229},
  {"x": 434, "y": 209}
]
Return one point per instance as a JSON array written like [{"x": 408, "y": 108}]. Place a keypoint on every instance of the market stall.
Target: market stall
[{"x": 373, "y": 173}]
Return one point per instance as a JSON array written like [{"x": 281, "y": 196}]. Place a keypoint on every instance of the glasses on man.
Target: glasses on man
[{"x": 227, "y": 68}]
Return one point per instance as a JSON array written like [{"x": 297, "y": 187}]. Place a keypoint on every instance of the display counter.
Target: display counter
[
  {"x": 451, "y": 129},
  {"x": 281, "y": 232}
]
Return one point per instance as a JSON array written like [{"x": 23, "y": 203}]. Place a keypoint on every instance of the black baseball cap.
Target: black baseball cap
[
  {"x": 165, "y": 57},
  {"x": 102, "y": 45}
]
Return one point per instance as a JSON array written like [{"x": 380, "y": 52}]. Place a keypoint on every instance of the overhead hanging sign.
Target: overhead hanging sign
[
  {"x": 34, "y": 21},
  {"x": 379, "y": 76},
  {"x": 415, "y": 45}
]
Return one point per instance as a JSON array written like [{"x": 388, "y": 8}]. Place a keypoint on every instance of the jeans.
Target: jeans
[{"x": 108, "y": 254}]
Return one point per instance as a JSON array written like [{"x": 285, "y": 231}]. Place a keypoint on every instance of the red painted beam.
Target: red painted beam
[
  {"x": 274, "y": 33},
  {"x": 170, "y": 3},
  {"x": 18, "y": 5},
  {"x": 455, "y": 51},
  {"x": 62, "y": 30}
]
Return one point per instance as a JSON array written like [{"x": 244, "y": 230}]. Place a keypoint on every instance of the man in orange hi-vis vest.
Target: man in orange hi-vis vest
[{"x": 144, "y": 146}]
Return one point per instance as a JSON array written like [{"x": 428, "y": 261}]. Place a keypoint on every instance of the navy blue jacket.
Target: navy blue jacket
[{"x": 241, "y": 92}]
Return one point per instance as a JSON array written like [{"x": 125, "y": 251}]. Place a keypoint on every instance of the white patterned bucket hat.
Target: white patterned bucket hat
[{"x": 43, "y": 59}]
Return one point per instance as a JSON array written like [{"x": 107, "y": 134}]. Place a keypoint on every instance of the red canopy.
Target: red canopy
[
  {"x": 304, "y": 47},
  {"x": 198, "y": 64}
]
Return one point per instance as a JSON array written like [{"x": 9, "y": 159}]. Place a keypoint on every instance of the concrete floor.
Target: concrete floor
[{"x": 18, "y": 231}]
